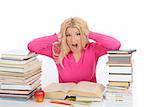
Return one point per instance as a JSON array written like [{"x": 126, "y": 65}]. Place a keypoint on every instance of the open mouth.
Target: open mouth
[{"x": 75, "y": 45}]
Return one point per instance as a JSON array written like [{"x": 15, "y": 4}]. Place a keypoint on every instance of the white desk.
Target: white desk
[{"x": 32, "y": 103}]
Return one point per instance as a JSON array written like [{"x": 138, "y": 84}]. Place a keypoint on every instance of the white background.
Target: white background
[{"x": 127, "y": 20}]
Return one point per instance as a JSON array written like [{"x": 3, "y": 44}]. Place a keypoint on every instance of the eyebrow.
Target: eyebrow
[{"x": 67, "y": 33}]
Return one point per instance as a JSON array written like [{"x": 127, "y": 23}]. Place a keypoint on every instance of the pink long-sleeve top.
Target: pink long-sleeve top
[{"x": 85, "y": 68}]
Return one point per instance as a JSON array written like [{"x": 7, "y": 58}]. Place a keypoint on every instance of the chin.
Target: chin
[{"x": 76, "y": 51}]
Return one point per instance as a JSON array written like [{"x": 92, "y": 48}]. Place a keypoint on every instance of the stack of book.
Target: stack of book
[
  {"x": 20, "y": 73},
  {"x": 120, "y": 65}
]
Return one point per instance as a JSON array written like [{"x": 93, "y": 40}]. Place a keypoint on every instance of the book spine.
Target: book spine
[
  {"x": 120, "y": 70},
  {"x": 127, "y": 78},
  {"x": 19, "y": 87}
]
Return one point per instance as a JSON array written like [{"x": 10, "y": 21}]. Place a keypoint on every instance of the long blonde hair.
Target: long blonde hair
[{"x": 78, "y": 23}]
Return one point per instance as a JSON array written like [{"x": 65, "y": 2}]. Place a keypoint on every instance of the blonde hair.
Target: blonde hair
[{"x": 78, "y": 23}]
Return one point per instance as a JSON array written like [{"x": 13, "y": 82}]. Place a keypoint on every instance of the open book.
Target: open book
[{"x": 84, "y": 91}]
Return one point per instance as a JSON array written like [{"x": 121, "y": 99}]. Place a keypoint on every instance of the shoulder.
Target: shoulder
[{"x": 96, "y": 47}]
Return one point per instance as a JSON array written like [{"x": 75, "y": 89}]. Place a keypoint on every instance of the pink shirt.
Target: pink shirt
[{"x": 85, "y": 68}]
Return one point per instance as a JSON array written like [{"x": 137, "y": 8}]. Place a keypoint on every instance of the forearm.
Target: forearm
[
  {"x": 43, "y": 45},
  {"x": 108, "y": 42}
]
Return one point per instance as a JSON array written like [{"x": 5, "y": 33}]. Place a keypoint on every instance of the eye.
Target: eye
[
  {"x": 68, "y": 35},
  {"x": 78, "y": 34}
]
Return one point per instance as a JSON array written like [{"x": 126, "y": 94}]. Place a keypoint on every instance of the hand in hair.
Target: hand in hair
[
  {"x": 86, "y": 29},
  {"x": 56, "y": 49},
  {"x": 59, "y": 37}
]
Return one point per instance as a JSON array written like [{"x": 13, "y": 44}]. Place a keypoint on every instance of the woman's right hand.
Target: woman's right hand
[{"x": 59, "y": 37}]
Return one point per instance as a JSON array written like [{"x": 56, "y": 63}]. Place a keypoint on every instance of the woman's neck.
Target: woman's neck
[{"x": 77, "y": 56}]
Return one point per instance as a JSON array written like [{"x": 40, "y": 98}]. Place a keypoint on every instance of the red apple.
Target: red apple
[{"x": 39, "y": 95}]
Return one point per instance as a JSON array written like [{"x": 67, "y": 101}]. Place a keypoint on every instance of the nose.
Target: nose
[{"x": 73, "y": 38}]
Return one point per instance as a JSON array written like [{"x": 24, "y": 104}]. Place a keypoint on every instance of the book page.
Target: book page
[
  {"x": 53, "y": 87},
  {"x": 86, "y": 86},
  {"x": 88, "y": 89},
  {"x": 16, "y": 52}
]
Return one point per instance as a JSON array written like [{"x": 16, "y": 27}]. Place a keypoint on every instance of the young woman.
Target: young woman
[{"x": 75, "y": 57}]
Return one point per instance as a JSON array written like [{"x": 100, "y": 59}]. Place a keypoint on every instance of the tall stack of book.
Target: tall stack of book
[
  {"x": 120, "y": 75},
  {"x": 20, "y": 73}
]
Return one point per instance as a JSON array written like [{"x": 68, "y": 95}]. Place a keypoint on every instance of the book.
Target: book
[
  {"x": 15, "y": 96},
  {"x": 113, "y": 90},
  {"x": 19, "y": 96},
  {"x": 4, "y": 75},
  {"x": 20, "y": 86},
  {"x": 82, "y": 89},
  {"x": 28, "y": 81},
  {"x": 21, "y": 74},
  {"x": 87, "y": 99},
  {"x": 119, "y": 64},
  {"x": 117, "y": 89},
  {"x": 120, "y": 58},
  {"x": 7, "y": 61},
  {"x": 127, "y": 51},
  {"x": 118, "y": 96},
  {"x": 23, "y": 66},
  {"x": 121, "y": 70},
  {"x": 119, "y": 77},
  {"x": 121, "y": 84},
  {"x": 18, "y": 91},
  {"x": 13, "y": 69},
  {"x": 19, "y": 77},
  {"x": 83, "y": 98},
  {"x": 17, "y": 55}
]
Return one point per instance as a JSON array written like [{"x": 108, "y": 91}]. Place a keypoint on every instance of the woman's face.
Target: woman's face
[{"x": 73, "y": 36}]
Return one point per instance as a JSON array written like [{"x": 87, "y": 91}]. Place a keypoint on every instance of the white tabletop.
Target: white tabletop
[{"x": 32, "y": 103}]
